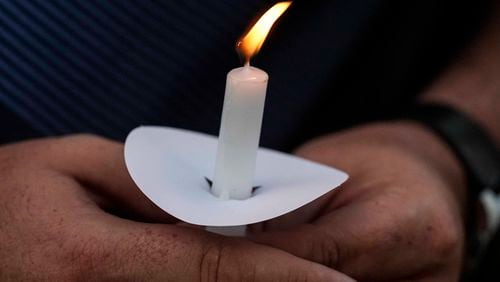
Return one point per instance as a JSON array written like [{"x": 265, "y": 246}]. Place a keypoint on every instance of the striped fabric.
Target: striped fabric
[{"x": 107, "y": 66}]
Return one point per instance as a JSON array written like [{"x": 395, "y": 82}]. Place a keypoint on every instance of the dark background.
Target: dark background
[{"x": 105, "y": 67}]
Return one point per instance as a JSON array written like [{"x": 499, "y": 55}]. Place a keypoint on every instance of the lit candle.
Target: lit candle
[{"x": 242, "y": 115}]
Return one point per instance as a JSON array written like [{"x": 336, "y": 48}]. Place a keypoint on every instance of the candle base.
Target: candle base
[
  {"x": 231, "y": 231},
  {"x": 210, "y": 183}
]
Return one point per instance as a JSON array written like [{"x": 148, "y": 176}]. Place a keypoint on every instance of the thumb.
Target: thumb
[{"x": 99, "y": 164}]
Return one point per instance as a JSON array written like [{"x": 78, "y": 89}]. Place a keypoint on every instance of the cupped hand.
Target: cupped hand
[
  {"x": 58, "y": 206},
  {"x": 398, "y": 218}
]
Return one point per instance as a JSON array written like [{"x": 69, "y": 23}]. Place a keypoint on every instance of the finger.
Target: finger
[
  {"x": 305, "y": 214},
  {"x": 138, "y": 251},
  {"x": 335, "y": 243},
  {"x": 307, "y": 241},
  {"x": 99, "y": 163},
  {"x": 355, "y": 242}
]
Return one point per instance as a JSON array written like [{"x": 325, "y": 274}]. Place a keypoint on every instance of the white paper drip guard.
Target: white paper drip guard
[{"x": 169, "y": 165}]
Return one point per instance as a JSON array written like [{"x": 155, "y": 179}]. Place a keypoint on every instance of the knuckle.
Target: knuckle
[
  {"x": 325, "y": 248},
  {"x": 445, "y": 238},
  {"x": 224, "y": 261},
  {"x": 210, "y": 263},
  {"x": 297, "y": 276},
  {"x": 447, "y": 242}
]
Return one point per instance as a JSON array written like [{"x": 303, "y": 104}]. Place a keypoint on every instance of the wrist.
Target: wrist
[{"x": 478, "y": 155}]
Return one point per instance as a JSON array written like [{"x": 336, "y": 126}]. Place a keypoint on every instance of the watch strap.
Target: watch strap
[{"x": 480, "y": 158}]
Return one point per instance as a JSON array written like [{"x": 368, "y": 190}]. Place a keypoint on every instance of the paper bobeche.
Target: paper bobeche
[{"x": 169, "y": 165}]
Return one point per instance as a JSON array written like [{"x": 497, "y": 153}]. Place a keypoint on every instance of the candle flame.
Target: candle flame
[{"x": 252, "y": 41}]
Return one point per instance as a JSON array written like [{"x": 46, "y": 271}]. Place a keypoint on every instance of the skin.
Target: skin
[
  {"x": 55, "y": 225},
  {"x": 398, "y": 217}
]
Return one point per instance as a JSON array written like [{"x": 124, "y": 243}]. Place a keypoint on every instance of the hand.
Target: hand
[
  {"x": 398, "y": 217},
  {"x": 55, "y": 225}
]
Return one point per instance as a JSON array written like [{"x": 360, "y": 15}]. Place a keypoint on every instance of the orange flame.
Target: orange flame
[{"x": 251, "y": 42}]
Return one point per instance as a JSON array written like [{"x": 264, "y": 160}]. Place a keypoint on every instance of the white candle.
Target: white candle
[
  {"x": 242, "y": 115},
  {"x": 240, "y": 133}
]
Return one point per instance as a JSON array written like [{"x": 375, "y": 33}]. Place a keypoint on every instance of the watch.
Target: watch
[{"x": 481, "y": 160}]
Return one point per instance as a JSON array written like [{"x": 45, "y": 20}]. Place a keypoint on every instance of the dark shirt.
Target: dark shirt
[{"x": 105, "y": 67}]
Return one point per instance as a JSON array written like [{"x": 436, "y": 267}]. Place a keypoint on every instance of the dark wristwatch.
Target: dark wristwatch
[{"x": 481, "y": 160}]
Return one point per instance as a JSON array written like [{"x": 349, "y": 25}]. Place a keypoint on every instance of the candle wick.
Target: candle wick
[{"x": 247, "y": 63}]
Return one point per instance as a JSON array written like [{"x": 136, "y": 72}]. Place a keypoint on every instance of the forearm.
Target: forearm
[{"x": 472, "y": 83}]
